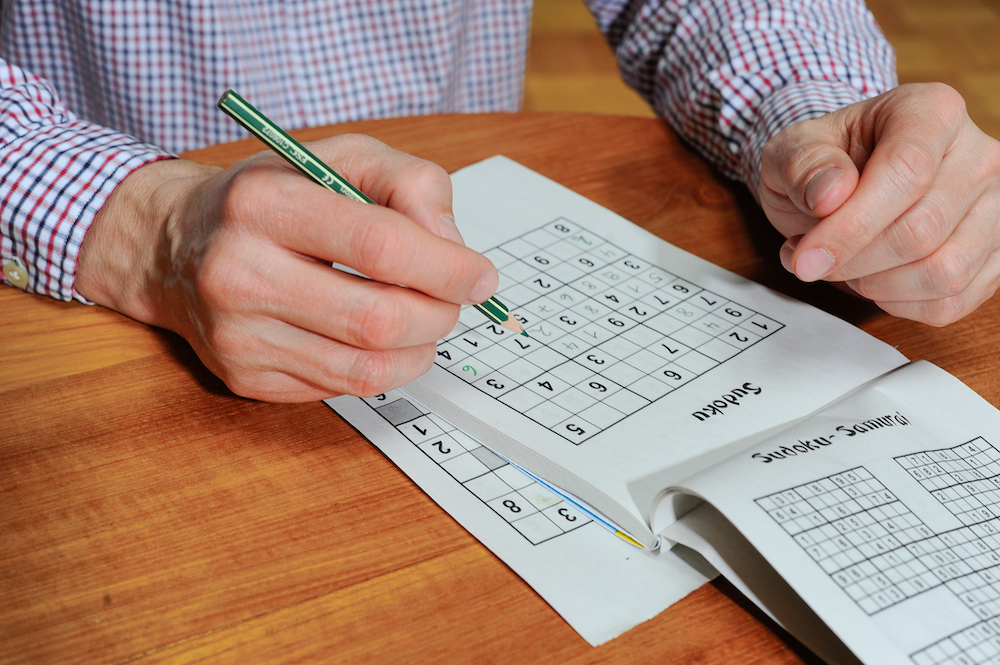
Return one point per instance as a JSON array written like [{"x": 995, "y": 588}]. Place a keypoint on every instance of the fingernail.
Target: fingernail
[
  {"x": 486, "y": 287},
  {"x": 820, "y": 186},
  {"x": 813, "y": 264},
  {"x": 785, "y": 253},
  {"x": 449, "y": 230}
]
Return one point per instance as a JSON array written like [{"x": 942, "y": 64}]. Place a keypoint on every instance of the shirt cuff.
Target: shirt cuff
[
  {"x": 53, "y": 181},
  {"x": 788, "y": 105}
]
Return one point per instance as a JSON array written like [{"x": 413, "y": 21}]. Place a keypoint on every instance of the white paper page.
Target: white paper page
[
  {"x": 883, "y": 514},
  {"x": 644, "y": 363},
  {"x": 703, "y": 528},
  {"x": 599, "y": 584}
]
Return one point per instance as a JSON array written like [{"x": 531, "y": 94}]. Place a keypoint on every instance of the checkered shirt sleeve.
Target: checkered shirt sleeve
[
  {"x": 55, "y": 173},
  {"x": 726, "y": 74},
  {"x": 730, "y": 74}
]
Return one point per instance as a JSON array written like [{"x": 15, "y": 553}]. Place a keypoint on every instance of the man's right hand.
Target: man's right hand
[{"x": 237, "y": 262}]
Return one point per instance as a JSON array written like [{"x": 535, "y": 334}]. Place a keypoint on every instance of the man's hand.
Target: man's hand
[
  {"x": 898, "y": 196},
  {"x": 236, "y": 261}
]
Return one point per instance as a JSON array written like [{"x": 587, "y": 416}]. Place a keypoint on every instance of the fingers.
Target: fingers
[
  {"x": 376, "y": 241},
  {"x": 959, "y": 272},
  {"x": 806, "y": 174},
  {"x": 948, "y": 309},
  {"x": 955, "y": 208},
  {"x": 918, "y": 231},
  {"x": 910, "y": 135},
  {"x": 281, "y": 363},
  {"x": 419, "y": 189},
  {"x": 359, "y": 312},
  {"x": 243, "y": 268}
]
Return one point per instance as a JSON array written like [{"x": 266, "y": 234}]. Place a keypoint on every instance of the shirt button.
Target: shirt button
[{"x": 15, "y": 275}]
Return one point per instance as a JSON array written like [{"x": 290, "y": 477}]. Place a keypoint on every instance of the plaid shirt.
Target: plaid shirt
[{"x": 138, "y": 80}]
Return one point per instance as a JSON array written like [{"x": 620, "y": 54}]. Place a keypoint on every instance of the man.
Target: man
[{"x": 895, "y": 193}]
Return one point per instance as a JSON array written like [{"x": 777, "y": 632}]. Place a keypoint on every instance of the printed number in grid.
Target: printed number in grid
[
  {"x": 978, "y": 644},
  {"x": 609, "y": 333},
  {"x": 965, "y": 478},
  {"x": 860, "y": 535},
  {"x": 880, "y": 553},
  {"x": 532, "y": 509}
]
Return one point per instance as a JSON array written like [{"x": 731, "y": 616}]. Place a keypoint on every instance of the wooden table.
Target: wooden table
[{"x": 148, "y": 515}]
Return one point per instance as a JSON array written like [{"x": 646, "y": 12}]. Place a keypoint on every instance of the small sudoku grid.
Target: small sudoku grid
[
  {"x": 532, "y": 509},
  {"x": 609, "y": 333},
  {"x": 965, "y": 479},
  {"x": 880, "y": 553}
]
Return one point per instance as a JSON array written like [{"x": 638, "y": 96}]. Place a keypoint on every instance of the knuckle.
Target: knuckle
[
  {"x": 946, "y": 311},
  {"x": 919, "y": 232},
  {"x": 357, "y": 143},
  {"x": 800, "y": 162},
  {"x": 425, "y": 176},
  {"x": 378, "y": 248},
  {"x": 370, "y": 374},
  {"x": 949, "y": 272},
  {"x": 381, "y": 323},
  {"x": 912, "y": 165},
  {"x": 946, "y": 98},
  {"x": 863, "y": 288}
]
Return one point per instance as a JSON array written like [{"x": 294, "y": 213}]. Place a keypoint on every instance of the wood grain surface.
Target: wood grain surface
[{"x": 148, "y": 515}]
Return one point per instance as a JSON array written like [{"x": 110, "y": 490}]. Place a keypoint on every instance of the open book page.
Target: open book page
[
  {"x": 644, "y": 363},
  {"x": 882, "y": 513},
  {"x": 600, "y": 584},
  {"x": 712, "y": 536}
]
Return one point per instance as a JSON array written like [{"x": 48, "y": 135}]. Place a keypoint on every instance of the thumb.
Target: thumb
[{"x": 806, "y": 175}]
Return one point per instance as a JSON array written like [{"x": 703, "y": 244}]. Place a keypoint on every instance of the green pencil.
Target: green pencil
[{"x": 309, "y": 164}]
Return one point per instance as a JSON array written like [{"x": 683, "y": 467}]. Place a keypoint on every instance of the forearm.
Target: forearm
[
  {"x": 125, "y": 262},
  {"x": 56, "y": 172}
]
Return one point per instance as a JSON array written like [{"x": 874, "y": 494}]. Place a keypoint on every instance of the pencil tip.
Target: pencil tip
[
  {"x": 512, "y": 325},
  {"x": 525, "y": 333}
]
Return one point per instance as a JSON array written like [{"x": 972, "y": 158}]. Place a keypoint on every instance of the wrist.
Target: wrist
[{"x": 122, "y": 260}]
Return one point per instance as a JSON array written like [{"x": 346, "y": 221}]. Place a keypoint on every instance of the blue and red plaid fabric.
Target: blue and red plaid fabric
[{"x": 92, "y": 89}]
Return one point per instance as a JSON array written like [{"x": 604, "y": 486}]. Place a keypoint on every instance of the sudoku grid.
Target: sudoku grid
[
  {"x": 609, "y": 333},
  {"x": 965, "y": 479},
  {"x": 880, "y": 553},
  {"x": 529, "y": 507}
]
